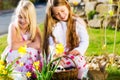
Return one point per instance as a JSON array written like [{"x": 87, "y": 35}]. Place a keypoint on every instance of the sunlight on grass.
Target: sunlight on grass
[
  {"x": 114, "y": 73},
  {"x": 97, "y": 41},
  {"x": 3, "y": 43}
]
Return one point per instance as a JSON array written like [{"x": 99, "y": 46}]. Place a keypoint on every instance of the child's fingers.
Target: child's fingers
[{"x": 74, "y": 52}]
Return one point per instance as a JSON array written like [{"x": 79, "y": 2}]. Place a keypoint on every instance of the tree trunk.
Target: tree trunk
[{"x": 1, "y": 4}]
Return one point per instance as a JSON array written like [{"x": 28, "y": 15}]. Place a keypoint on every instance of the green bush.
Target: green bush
[{"x": 91, "y": 14}]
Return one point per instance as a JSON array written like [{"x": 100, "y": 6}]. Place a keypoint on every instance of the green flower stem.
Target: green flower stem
[{"x": 118, "y": 10}]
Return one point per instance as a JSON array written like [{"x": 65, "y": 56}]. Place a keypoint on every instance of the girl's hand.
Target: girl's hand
[
  {"x": 28, "y": 42},
  {"x": 74, "y": 52}
]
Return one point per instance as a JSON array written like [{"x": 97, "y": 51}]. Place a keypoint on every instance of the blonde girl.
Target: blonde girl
[{"x": 24, "y": 32}]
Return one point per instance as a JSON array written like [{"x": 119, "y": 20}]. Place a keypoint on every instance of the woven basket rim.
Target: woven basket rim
[
  {"x": 70, "y": 74},
  {"x": 71, "y": 70}
]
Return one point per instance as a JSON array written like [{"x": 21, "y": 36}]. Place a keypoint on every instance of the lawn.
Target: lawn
[
  {"x": 97, "y": 40},
  {"x": 95, "y": 47},
  {"x": 3, "y": 43}
]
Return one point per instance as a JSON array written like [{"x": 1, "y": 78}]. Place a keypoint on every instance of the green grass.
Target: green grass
[
  {"x": 3, "y": 43},
  {"x": 97, "y": 41},
  {"x": 114, "y": 73}
]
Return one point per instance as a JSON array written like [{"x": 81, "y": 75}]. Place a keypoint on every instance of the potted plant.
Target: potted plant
[
  {"x": 6, "y": 70},
  {"x": 47, "y": 70}
]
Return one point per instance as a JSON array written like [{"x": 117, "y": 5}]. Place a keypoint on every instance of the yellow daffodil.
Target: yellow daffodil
[
  {"x": 110, "y": 1},
  {"x": 110, "y": 12},
  {"x": 59, "y": 48},
  {"x": 22, "y": 50},
  {"x": 28, "y": 74},
  {"x": 6, "y": 69},
  {"x": 2, "y": 67},
  {"x": 1, "y": 62},
  {"x": 36, "y": 65},
  {"x": 4, "y": 72},
  {"x": 111, "y": 60},
  {"x": 104, "y": 47},
  {"x": 21, "y": 64},
  {"x": 75, "y": 3}
]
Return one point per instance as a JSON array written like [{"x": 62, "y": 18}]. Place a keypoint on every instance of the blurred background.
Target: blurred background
[
  {"x": 6, "y": 10},
  {"x": 10, "y": 4}
]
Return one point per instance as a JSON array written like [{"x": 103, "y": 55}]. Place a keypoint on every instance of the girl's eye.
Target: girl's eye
[
  {"x": 62, "y": 10},
  {"x": 20, "y": 16},
  {"x": 24, "y": 17},
  {"x": 56, "y": 13}
]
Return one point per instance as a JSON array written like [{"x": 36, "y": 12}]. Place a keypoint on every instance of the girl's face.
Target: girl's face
[
  {"x": 23, "y": 22},
  {"x": 61, "y": 12}
]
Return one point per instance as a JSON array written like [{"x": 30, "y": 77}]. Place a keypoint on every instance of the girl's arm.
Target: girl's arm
[
  {"x": 36, "y": 43},
  {"x": 13, "y": 40}
]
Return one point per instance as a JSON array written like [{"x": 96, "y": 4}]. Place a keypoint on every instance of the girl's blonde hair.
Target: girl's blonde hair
[
  {"x": 72, "y": 38},
  {"x": 27, "y": 9}
]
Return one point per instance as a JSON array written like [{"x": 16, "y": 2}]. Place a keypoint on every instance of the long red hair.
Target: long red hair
[{"x": 72, "y": 39}]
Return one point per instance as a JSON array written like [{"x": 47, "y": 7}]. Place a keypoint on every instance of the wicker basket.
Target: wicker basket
[{"x": 67, "y": 74}]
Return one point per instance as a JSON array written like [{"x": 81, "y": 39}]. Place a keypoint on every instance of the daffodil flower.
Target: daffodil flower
[
  {"x": 6, "y": 69},
  {"x": 59, "y": 48},
  {"x": 2, "y": 67},
  {"x": 36, "y": 65},
  {"x": 21, "y": 64},
  {"x": 75, "y": 3},
  {"x": 110, "y": 1},
  {"x": 28, "y": 74},
  {"x": 110, "y": 12},
  {"x": 46, "y": 72},
  {"x": 111, "y": 60},
  {"x": 4, "y": 72},
  {"x": 1, "y": 62},
  {"x": 104, "y": 47},
  {"x": 22, "y": 50}
]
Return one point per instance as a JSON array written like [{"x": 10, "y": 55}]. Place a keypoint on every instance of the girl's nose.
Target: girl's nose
[
  {"x": 24, "y": 20},
  {"x": 61, "y": 15}
]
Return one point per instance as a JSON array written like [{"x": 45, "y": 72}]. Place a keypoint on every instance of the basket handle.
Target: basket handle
[{"x": 71, "y": 60}]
